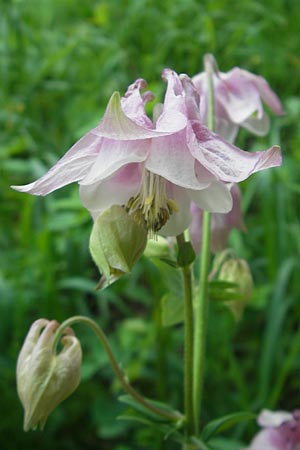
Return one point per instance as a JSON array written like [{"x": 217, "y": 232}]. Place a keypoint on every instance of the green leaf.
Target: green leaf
[
  {"x": 222, "y": 423},
  {"x": 172, "y": 310},
  {"x": 186, "y": 254}
]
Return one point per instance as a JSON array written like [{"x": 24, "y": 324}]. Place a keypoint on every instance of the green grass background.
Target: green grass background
[{"x": 60, "y": 62}]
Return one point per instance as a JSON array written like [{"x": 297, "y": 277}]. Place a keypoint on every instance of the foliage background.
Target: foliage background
[{"x": 60, "y": 62}]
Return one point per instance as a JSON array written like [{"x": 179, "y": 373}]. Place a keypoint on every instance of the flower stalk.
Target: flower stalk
[{"x": 171, "y": 416}]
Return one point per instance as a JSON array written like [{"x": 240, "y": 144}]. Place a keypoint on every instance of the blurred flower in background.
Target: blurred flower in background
[
  {"x": 239, "y": 96},
  {"x": 281, "y": 431}
]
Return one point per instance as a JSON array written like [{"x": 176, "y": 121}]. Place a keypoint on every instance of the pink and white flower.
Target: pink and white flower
[
  {"x": 155, "y": 169},
  {"x": 239, "y": 97},
  {"x": 281, "y": 431}
]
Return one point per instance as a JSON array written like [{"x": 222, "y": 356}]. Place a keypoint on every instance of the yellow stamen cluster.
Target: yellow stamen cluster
[{"x": 151, "y": 205}]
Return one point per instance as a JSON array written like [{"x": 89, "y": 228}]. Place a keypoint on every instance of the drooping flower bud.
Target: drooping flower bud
[
  {"x": 45, "y": 379},
  {"x": 117, "y": 241},
  {"x": 230, "y": 269}
]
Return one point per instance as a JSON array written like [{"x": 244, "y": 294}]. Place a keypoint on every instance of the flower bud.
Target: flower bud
[
  {"x": 45, "y": 379},
  {"x": 235, "y": 270},
  {"x": 117, "y": 241}
]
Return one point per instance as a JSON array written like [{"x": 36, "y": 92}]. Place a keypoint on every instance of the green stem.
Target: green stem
[
  {"x": 201, "y": 302},
  {"x": 118, "y": 371},
  {"x": 188, "y": 344}
]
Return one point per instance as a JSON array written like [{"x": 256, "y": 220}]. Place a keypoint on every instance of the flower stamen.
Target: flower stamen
[{"x": 151, "y": 206}]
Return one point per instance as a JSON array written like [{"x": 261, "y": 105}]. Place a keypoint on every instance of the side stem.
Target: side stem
[{"x": 116, "y": 368}]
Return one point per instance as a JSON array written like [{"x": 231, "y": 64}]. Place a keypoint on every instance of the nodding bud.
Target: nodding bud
[
  {"x": 45, "y": 379},
  {"x": 117, "y": 241},
  {"x": 237, "y": 271}
]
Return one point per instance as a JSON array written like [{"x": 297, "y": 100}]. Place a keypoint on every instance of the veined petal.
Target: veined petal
[
  {"x": 181, "y": 219},
  {"x": 116, "y": 125},
  {"x": 113, "y": 155},
  {"x": 73, "y": 166},
  {"x": 115, "y": 190},
  {"x": 216, "y": 198},
  {"x": 170, "y": 158},
  {"x": 226, "y": 161}
]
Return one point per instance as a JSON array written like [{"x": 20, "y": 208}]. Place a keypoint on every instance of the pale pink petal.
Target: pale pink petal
[
  {"x": 268, "y": 439},
  {"x": 170, "y": 158},
  {"x": 216, "y": 198},
  {"x": 238, "y": 95},
  {"x": 116, "y": 125},
  {"x": 260, "y": 127},
  {"x": 133, "y": 103},
  {"x": 192, "y": 98},
  {"x": 113, "y": 155},
  {"x": 115, "y": 190},
  {"x": 269, "y": 418},
  {"x": 174, "y": 97},
  {"x": 266, "y": 93},
  {"x": 179, "y": 220},
  {"x": 73, "y": 166},
  {"x": 224, "y": 160}
]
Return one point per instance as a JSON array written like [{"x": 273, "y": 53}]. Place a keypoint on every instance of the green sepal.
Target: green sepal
[{"x": 186, "y": 254}]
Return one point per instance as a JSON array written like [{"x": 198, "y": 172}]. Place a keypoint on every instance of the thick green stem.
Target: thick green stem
[
  {"x": 201, "y": 302},
  {"x": 188, "y": 344},
  {"x": 118, "y": 371},
  {"x": 201, "y": 313}
]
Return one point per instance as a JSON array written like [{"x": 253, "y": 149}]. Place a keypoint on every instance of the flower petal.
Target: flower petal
[
  {"x": 216, "y": 198},
  {"x": 115, "y": 190},
  {"x": 113, "y": 155},
  {"x": 269, "y": 418},
  {"x": 260, "y": 127},
  {"x": 115, "y": 124},
  {"x": 73, "y": 166},
  {"x": 269, "y": 439},
  {"x": 170, "y": 158},
  {"x": 266, "y": 93},
  {"x": 238, "y": 95},
  {"x": 179, "y": 220},
  {"x": 226, "y": 161},
  {"x": 133, "y": 103}
]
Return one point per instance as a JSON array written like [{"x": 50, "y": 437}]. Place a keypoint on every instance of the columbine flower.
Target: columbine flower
[
  {"x": 44, "y": 379},
  {"x": 238, "y": 100},
  {"x": 281, "y": 431},
  {"x": 154, "y": 170},
  {"x": 221, "y": 224}
]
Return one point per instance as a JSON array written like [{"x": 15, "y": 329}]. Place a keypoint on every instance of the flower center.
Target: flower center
[{"x": 151, "y": 206}]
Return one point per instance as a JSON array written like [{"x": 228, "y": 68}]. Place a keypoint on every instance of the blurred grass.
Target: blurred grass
[{"x": 60, "y": 62}]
